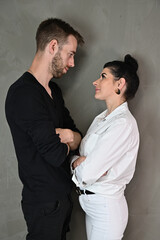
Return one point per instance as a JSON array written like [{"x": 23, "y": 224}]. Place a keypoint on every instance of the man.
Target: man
[{"x": 44, "y": 133}]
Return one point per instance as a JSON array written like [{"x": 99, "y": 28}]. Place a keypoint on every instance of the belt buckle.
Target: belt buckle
[{"x": 78, "y": 191}]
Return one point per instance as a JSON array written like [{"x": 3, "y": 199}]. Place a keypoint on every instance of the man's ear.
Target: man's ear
[{"x": 53, "y": 46}]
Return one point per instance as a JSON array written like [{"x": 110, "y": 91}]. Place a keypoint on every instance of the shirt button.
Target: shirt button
[{"x": 84, "y": 183}]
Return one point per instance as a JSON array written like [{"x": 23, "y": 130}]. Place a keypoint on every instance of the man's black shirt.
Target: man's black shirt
[{"x": 42, "y": 159}]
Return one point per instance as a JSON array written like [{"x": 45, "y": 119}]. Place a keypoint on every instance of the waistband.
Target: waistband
[{"x": 80, "y": 191}]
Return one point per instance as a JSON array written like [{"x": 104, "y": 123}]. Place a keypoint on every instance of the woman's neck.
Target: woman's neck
[{"x": 111, "y": 106}]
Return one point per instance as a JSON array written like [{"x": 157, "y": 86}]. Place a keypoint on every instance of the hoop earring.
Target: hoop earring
[{"x": 118, "y": 91}]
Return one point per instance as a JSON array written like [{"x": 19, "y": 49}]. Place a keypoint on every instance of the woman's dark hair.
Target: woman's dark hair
[{"x": 128, "y": 70}]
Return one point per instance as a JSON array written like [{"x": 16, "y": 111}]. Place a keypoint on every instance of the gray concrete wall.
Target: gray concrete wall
[{"x": 111, "y": 29}]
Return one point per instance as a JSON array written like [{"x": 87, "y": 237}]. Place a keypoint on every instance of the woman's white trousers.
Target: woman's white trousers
[{"x": 106, "y": 218}]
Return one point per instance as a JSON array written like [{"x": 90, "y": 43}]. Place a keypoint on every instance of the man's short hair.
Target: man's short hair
[{"x": 54, "y": 28}]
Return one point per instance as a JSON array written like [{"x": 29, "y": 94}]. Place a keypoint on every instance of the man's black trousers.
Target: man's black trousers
[{"x": 49, "y": 221}]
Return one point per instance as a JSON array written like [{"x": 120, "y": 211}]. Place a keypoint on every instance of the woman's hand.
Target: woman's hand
[{"x": 78, "y": 161}]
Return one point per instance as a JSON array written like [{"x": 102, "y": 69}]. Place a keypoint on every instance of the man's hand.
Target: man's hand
[
  {"x": 66, "y": 135},
  {"x": 78, "y": 161},
  {"x": 70, "y": 137}
]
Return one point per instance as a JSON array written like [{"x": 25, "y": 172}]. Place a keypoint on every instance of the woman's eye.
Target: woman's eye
[{"x": 103, "y": 76}]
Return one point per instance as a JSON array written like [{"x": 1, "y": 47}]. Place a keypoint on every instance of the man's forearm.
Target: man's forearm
[{"x": 76, "y": 141}]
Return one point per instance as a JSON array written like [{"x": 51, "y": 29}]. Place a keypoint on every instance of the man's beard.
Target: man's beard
[{"x": 57, "y": 66}]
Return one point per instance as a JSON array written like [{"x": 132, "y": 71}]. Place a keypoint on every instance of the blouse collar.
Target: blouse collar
[{"x": 119, "y": 109}]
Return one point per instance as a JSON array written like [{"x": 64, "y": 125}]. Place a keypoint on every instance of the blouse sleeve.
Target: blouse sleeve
[{"x": 110, "y": 148}]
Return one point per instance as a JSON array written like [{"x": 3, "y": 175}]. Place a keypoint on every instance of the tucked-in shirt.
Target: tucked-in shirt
[
  {"x": 110, "y": 147},
  {"x": 42, "y": 159}
]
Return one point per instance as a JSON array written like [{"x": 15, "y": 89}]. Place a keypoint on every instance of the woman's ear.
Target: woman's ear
[{"x": 122, "y": 83}]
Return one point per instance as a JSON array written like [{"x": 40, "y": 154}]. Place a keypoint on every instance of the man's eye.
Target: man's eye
[{"x": 103, "y": 76}]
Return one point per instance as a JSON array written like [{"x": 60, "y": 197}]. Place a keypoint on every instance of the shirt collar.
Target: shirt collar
[{"x": 119, "y": 109}]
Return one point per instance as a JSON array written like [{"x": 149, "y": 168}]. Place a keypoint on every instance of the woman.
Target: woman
[{"x": 108, "y": 153}]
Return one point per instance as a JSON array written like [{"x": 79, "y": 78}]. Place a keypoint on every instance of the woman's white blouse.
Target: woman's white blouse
[{"x": 110, "y": 146}]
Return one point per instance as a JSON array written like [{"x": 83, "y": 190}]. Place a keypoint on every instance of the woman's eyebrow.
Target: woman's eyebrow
[{"x": 103, "y": 73}]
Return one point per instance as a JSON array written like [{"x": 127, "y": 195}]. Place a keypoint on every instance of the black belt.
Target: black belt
[{"x": 80, "y": 192}]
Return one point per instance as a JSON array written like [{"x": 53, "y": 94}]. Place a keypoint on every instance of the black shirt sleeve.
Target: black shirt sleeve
[{"x": 30, "y": 114}]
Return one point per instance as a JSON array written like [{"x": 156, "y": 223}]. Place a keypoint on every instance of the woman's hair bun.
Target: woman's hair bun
[{"x": 129, "y": 60}]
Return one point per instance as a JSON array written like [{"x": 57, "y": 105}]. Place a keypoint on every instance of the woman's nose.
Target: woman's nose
[{"x": 95, "y": 82}]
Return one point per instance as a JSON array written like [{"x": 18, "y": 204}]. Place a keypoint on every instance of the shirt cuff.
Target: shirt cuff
[{"x": 72, "y": 161}]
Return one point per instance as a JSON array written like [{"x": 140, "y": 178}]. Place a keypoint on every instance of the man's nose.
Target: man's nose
[{"x": 71, "y": 62}]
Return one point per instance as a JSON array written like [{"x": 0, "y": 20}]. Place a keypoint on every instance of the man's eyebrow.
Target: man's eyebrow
[{"x": 73, "y": 52}]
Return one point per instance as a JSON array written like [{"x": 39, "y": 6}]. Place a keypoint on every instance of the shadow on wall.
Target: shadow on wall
[{"x": 143, "y": 190}]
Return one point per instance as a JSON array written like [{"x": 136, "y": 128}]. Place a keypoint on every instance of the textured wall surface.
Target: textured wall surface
[{"x": 111, "y": 29}]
